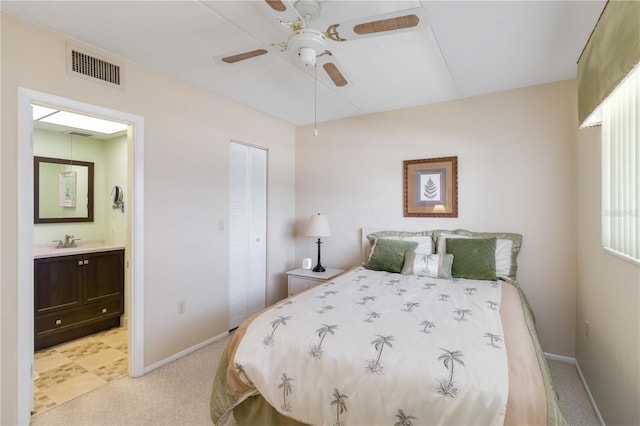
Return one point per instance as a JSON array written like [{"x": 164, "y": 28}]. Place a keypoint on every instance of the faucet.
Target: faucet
[{"x": 71, "y": 243}]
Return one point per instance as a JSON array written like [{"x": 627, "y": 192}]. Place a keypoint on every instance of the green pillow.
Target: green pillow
[
  {"x": 388, "y": 255},
  {"x": 473, "y": 258}
]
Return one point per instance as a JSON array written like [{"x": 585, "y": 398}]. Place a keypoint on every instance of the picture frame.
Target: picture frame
[
  {"x": 67, "y": 189},
  {"x": 431, "y": 187}
]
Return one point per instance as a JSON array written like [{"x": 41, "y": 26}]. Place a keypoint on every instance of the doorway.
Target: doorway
[{"x": 134, "y": 267}]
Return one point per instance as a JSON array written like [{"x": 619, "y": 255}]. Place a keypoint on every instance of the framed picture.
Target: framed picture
[
  {"x": 431, "y": 187},
  {"x": 67, "y": 189}
]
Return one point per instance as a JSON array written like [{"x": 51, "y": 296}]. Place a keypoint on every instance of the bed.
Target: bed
[{"x": 432, "y": 328}]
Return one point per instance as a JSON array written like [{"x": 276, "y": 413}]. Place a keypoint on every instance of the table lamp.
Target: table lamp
[{"x": 318, "y": 227}]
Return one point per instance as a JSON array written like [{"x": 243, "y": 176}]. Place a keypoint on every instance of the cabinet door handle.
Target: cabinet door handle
[
  {"x": 86, "y": 262},
  {"x": 80, "y": 262},
  {"x": 58, "y": 322},
  {"x": 104, "y": 310}
]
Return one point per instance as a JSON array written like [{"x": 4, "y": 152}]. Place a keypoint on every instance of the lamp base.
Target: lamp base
[{"x": 318, "y": 268}]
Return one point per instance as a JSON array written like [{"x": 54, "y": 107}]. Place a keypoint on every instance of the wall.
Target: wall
[
  {"x": 516, "y": 174},
  {"x": 187, "y": 133},
  {"x": 116, "y": 167},
  {"x": 608, "y": 297}
]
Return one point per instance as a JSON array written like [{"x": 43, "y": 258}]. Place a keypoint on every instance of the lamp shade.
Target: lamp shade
[{"x": 318, "y": 226}]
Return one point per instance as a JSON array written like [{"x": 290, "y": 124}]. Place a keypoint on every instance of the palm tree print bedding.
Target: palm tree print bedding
[{"x": 373, "y": 347}]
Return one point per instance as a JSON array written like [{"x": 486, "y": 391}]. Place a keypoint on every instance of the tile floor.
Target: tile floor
[{"x": 71, "y": 369}]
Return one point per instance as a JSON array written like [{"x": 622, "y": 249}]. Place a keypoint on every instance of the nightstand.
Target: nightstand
[{"x": 302, "y": 279}]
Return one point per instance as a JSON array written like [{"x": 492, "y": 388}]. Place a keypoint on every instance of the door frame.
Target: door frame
[{"x": 135, "y": 238}]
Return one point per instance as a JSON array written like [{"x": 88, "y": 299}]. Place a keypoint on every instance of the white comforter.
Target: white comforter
[{"x": 377, "y": 348}]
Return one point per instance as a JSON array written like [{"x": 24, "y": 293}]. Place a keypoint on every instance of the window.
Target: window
[{"x": 621, "y": 169}]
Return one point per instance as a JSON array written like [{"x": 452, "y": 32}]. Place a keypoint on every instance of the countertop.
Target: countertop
[{"x": 50, "y": 250}]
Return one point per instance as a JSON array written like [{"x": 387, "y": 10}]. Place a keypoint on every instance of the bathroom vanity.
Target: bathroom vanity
[{"x": 77, "y": 292}]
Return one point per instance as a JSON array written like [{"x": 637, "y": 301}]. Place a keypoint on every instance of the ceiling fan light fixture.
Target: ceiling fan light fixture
[
  {"x": 307, "y": 56},
  {"x": 307, "y": 43}
]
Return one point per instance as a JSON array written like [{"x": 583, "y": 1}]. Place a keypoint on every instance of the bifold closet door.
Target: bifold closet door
[{"x": 247, "y": 232}]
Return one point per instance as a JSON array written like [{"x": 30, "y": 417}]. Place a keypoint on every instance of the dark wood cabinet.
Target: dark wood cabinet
[{"x": 77, "y": 295}]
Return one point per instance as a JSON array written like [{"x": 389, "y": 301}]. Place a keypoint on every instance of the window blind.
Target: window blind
[{"x": 621, "y": 169}]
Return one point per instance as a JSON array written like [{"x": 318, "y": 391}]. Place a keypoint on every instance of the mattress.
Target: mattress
[{"x": 374, "y": 347}]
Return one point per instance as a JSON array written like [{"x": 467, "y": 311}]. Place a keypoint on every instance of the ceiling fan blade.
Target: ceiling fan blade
[
  {"x": 276, "y": 5},
  {"x": 403, "y": 20},
  {"x": 245, "y": 55},
  {"x": 398, "y": 23},
  {"x": 334, "y": 74}
]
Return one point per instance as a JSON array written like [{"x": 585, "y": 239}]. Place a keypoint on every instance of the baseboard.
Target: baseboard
[
  {"x": 187, "y": 351},
  {"x": 561, "y": 358}
]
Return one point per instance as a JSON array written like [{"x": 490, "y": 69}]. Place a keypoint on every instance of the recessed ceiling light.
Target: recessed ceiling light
[
  {"x": 41, "y": 111},
  {"x": 70, "y": 119}
]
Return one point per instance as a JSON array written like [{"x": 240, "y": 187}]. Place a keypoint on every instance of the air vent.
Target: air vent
[
  {"x": 86, "y": 135},
  {"x": 94, "y": 67}
]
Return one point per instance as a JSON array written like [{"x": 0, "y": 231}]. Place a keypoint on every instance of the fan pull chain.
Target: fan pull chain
[{"x": 315, "y": 99}]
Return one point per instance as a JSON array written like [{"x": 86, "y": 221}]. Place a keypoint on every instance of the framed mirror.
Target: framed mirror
[{"x": 63, "y": 190}]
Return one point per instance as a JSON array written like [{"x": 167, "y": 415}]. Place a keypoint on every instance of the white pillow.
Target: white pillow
[
  {"x": 423, "y": 238},
  {"x": 428, "y": 265}
]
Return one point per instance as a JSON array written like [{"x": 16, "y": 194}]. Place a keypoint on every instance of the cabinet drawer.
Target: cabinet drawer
[
  {"x": 77, "y": 316},
  {"x": 300, "y": 284}
]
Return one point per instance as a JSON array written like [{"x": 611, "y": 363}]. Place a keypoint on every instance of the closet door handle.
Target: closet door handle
[
  {"x": 86, "y": 262},
  {"x": 58, "y": 322},
  {"x": 80, "y": 262}
]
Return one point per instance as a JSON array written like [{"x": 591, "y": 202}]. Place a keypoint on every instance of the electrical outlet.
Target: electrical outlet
[
  {"x": 181, "y": 307},
  {"x": 586, "y": 329}
]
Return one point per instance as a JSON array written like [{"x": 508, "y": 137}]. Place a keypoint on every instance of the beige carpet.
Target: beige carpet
[{"x": 178, "y": 394}]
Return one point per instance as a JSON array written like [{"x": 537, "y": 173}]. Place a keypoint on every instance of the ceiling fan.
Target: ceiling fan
[{"x": 309, "y": 43}]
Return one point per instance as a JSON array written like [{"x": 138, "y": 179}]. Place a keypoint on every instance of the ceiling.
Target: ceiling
[{"x": 458, "y": 49}]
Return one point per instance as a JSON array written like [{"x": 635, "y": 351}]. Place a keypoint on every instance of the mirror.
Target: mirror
[
  {"x": 117, "y": 198},
  {"x": 63, "y": 190}
]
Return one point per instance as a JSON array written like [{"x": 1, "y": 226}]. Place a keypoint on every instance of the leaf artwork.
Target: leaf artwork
[
  {"x": 268, "y": 340},
  {"x": 400, "y": 291},
  {"x": 316, "y": 350},
  {"x": 404, "y": 419},
  {"x": 363, "y": 287},
  {"x": 430, "y": 189},
  {"x": 492, "y": 305},
  {"x": 493, "y": 339},
  {"x": 470, "y": 290},
  {"x": 325, "y": 308},
  {"x": 447, "y": 386},
  {"x": 243, "y": 374},
  {"x": 410, "y": 305},
  {"x": 366, "y": 299},
  {"x": 285, "y": 385},
  {"x": 461, "y": 314},
  {"x": 341, "y": 405},
  {"x": 327, "y": 293},
  {"x": 282, "y": 305},
  {"x": 443, "y": 297},
  {"x": 374, "y": 365},
  {"x": 427, "y": 325},
  {"x": 429, "y": 286},
  {"x": 393, "y": 282},
  {"x": 371, "y": 316}
]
